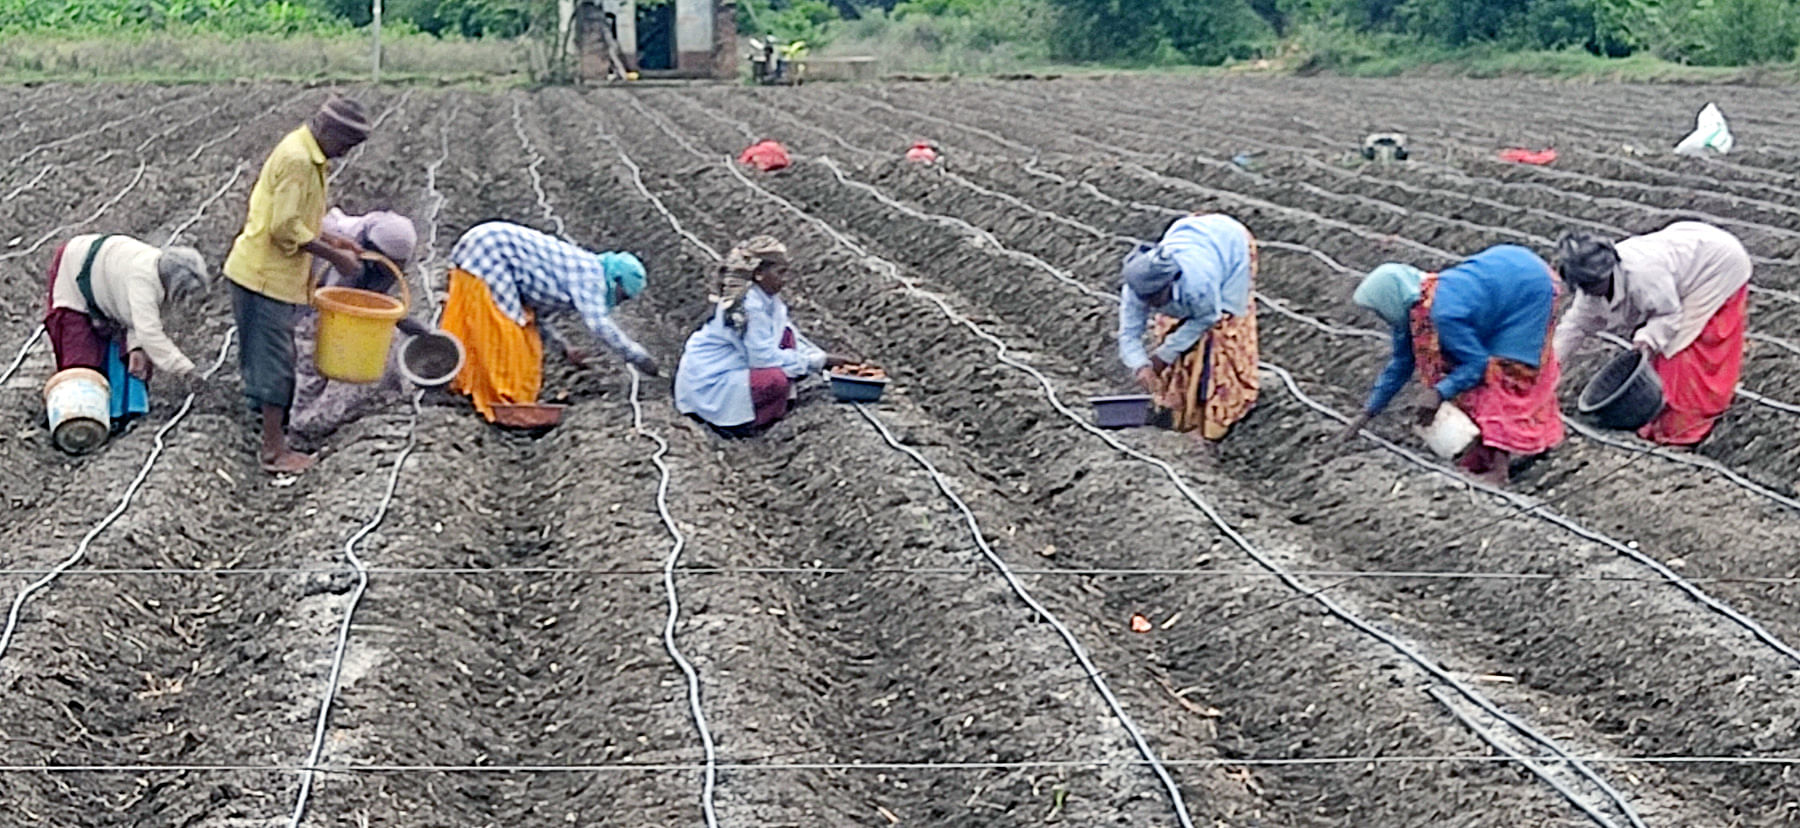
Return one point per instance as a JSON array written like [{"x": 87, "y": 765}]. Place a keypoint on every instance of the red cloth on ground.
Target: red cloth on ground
[
  {"x": 1515, "y": 405},
  {"x": 767, "y": 156},
  {"x": 770, "y": 387},
  {"x": 1699, "y": 380},
  {"x": 922, "y": 153},
  {"x": 1519, "y": 155},
  {"x": 73, "y": 337}
]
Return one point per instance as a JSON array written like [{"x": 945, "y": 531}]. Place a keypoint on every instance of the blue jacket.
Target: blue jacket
[
  {"x": 1496, "y": 303},
  {"x": 1214, "y": 254}
]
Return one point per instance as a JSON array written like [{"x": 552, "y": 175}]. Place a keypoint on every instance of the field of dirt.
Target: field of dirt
[{"x": 917, "y": 612}]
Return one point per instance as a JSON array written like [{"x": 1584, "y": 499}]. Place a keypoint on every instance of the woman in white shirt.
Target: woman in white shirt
[
  {"x": 1682, "y": 295},
  {"x": 737, "y": 370}
]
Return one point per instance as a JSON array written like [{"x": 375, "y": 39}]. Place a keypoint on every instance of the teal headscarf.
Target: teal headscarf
[
  {"x": 624, "y": 271},
  {"x": 1390, "y": 291}
]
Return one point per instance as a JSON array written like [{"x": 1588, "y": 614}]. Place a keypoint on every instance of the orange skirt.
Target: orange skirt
[
  {"x": 505, "y": 360},
  {"x": 1214, "y": 384}
]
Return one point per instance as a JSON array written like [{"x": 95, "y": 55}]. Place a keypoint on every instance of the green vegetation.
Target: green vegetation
[
  {"x": 237, "y": 17},
  {"x": 806, "y": 21},
  {"x": 168, "y": 57},
  {"x": 1636, "y": 38},
  {"x": 1639, "y": 39}
]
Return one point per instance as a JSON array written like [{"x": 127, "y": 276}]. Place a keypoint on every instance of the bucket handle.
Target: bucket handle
[
  {"x": 312, "y": 282},
  {"x": 399, "y": 276}
]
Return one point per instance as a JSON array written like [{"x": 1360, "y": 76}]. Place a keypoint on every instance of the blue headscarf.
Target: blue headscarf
[
  {"x": 1149, "y": 269},
  {"x": 1390, "y": 291},
  {"x": 623, "y": 271}
]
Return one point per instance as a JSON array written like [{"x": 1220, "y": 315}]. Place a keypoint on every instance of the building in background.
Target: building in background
[{"x": 670, "y": 39}]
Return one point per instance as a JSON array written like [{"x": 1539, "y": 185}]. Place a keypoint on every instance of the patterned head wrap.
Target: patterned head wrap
[
  {"x": 1390, "y": 291},
  {"x": 1585, "y": 260},
  {"x": 1148, "y": 269},
  {"x": 183, "y": 272},
  {"x": 624, "y": 271},
  {"x": 739, "y": 268}
]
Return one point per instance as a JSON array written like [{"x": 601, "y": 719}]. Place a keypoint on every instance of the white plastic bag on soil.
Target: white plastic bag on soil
[{"x": 1710, "y": 132}]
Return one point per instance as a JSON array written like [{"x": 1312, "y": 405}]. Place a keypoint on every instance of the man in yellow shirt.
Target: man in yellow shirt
[{"x": 270, "y": 262}]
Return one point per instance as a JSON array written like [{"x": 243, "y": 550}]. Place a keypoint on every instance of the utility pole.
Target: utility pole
[{"x": 375, "y": 13}]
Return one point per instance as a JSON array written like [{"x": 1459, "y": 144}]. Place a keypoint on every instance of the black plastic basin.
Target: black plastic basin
[{"x": 1625, "y": 395}]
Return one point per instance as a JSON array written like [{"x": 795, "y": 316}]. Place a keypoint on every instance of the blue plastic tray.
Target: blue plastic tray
[
  {"x": 1123, "y": 411},
  {"x": 857, "y": 389}
]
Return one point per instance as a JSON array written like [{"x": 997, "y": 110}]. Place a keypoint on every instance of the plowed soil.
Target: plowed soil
[{"x": 859, "y": 658}]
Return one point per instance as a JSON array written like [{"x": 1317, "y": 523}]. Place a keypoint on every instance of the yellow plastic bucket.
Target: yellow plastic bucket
[{"x": 356, "y": 329}]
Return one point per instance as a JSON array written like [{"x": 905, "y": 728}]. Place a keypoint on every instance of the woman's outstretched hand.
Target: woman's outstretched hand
[{"x": 1146, "y": 377}]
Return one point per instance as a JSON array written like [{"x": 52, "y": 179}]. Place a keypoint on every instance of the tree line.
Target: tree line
[{"x": 1701, "y": 32}]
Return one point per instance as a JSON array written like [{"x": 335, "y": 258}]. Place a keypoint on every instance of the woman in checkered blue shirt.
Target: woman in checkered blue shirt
[{"x": 503, "y": 276}]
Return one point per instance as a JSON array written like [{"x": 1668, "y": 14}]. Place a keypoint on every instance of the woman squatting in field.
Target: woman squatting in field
[
  {"x": 502, "y": 276},
  {"x": 107, "y": 294},
  {"x": 321, "y": 406},
  {"x": 1682, "y": 293},
  {"x": 1190, "y": 293},
  {"x": 737, "y": 371},
  {"x": 1479, "y": 334}
]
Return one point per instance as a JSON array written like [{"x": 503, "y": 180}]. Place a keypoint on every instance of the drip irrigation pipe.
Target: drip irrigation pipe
[
  {"x": 537, "y": 180},
  {"x": 709, "y": 768},
  {"x": 24, "y": 351},
  {"x": 637, "y": 180},
  {"x": 1038, "y": 764},
  {"x": 988, "y": 134},
  {"x": 179, "y": 125},
  {"x": 101, "y": 210},
  {"x": 14, "y": 192},
  {"x": 1529, "y": 763},
  {"x": 1403, "y": 209},
  {"x": 183, "y": 227},
  {"x": 709, "y": 780},
  {"x": 1301, "y": 155},
  {"x": 215, "y": 141},
  {"x": 1055, "y": 272},
  {"x": 143, "y": 113},
  {"x": 790, "y": 118},
  {"x": 1030, "y": 168},
  {"x": 323, "y": 722},
  {"x": 1297, "y": 213},
  {"x": 81, "y": 548},
  {"x": 334, "y": 677},
  {"x": 1071, "y": 572},
  {"x": 742, "y": 127},
  {"x": 37, "y": 335},
  {"x": 1044, "y": 613},
  {"x": 1269, "y": 302},
  {"x": 877, "y": 264},
  {"x": 1018, "y": 588},
  {"x": 1655, "y": 565},
  {"x": 66, "y": 107},
  {"x": 1530, "y": 507}
]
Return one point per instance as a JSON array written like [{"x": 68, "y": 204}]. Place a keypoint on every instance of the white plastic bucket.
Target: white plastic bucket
[
  {"x": 78, "y": 405},
  {"x": 1451, "y": 432}
]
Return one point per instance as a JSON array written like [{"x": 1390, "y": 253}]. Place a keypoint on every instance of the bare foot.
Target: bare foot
[
  {"x": 1209, "y": 451},
  {"x": 1497, "y": 477},
  {"x": 288, "y": 462}
]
